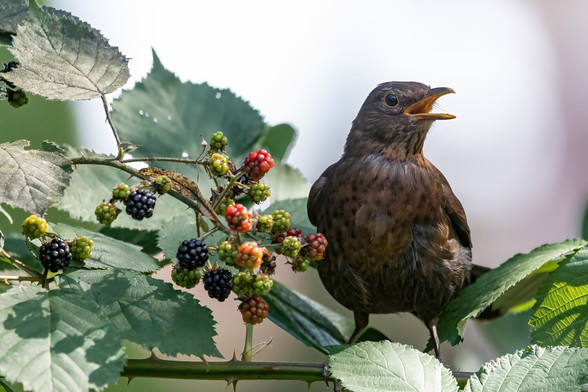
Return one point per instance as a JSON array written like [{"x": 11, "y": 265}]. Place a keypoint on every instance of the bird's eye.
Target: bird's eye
[{"x": 391, "y": 100}]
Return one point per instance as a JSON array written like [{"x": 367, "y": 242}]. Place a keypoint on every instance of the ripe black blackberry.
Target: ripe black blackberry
[
  {"x": 192, "y": 254},
  {"x": 218, "y": 283},
  {"x": 140, "y": 204},
  {"x": 55, "y": 254}
]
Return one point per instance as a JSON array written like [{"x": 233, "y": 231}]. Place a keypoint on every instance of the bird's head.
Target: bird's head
[{"x": 397, "y": 115}]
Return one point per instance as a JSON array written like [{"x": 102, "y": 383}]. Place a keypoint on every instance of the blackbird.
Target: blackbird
[{"x": 398, "y": 238}]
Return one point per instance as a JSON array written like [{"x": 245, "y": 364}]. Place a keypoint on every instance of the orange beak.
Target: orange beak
[{"x": 422, "y": 108}]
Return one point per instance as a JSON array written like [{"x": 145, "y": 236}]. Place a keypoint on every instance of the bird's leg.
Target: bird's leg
[
  {"x": 361, "y": 321},
  {"x": 432, "y": 327}
]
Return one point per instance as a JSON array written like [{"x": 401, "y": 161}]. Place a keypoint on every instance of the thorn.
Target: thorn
[
  {"x": 130, "y": 378},
  {"x": 153, "y": 357},
  {"x": 326, "y": 373},
  {"x": 204, "y": 360},
  {"x": 230, "y": 380},
  {"x": 234, "y": 359}
]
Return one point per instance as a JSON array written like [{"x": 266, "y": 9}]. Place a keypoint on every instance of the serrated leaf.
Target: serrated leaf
[
  {"x": 534, "y": 369},
  {"x": 16, "y": 246},
  {"x": 92, "y": 184},
  {"x": 490, "y": 286},
  {"x": 166, "y": 117},
  {"x": 30, "y": 179},
  {"x": 387, "y": 366},
  {"x": 278, "y": 140},
  {"x": 561, "y": 310},
  {"x": 286, "y": 182},
  {"x": 56, "y": 341},
  {"x": 12, "y": 12},
  {"x": 64, "y": 58},
  {"x": 148, "y": 311},
  {"x": 109, "y": 253}
]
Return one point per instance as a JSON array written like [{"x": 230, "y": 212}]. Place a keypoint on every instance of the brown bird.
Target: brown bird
[{"x": 398, "y": 238}]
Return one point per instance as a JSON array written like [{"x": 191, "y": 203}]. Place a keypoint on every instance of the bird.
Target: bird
[{"x": 398, "y": 237}]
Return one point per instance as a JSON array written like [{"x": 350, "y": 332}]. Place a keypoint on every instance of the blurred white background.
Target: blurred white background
[{"x": 515, "y": 154}]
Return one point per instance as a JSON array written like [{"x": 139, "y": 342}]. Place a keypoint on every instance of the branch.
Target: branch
[{"x": 121, "y": 152}]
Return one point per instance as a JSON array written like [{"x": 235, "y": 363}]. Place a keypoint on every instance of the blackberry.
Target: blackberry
[
  {"x": 226, "y": 203},
  {"x": 192, "y": 254},
  {"x": 281, "y": 221},
  {"x": 106, "y": 213},
  {"x": 249, "y": 255},
  {"x": 55, "y": 254},
  {"x": 291, "y": 246},
  {"x": 265, "y": 223},
  {"x": 34, "y": 227},
  {"x": 218, "y": 164},
  {"x": 162, "y": 184},
  {"x": 262, "y": 284},
  {"x": 244, "y": 179},
  {"x": 317, "y": 243},
  {"x": 227, "y": 252},
  {"x": 238, "y": 218},
  {"x": 258, "y": 163},
  {"x": 81, "y": 248},
  {"x": 121, "y": 192},
  {"x": 218, "y": 141},
  {"x": 218, "y": 283},
  {"x": 259, "y": 192},
  {"x": 301, "y": 264},
  {"x": 140, "y": 204},
  {"x": 254, "y": 310},
  {"x": 186, "y": 278},
  {"x": 16, "y": 98},
  {"x": 243, "y": 284}
]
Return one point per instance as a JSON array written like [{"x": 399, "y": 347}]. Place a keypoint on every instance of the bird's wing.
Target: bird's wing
[
  {"x": 315, "y": 196},
  {"x": 456, "y": 214}
]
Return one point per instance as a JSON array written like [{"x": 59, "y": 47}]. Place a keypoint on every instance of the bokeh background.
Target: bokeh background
[{"x": 515, "y": 155}]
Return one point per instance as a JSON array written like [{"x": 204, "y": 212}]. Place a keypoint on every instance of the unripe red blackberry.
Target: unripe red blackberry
[
  {"x": 192, "y": 254},
  {"x": 317, "y": 243},
  {"x": 227, "y": 252},
  {"x": 259, "y": 192},
  {"x": 257, "y": 164},
  {"x": 55, "y": 254},
  {"x": 121, "y": 192},
  {"x": 106, "y": 213},
  {"x": 218, "y": 283},
  {"x": 249, "y": 255},
  {"x": 218, "y": 164},
  {"x": 238, "y": 217},
  {"x": 281, "y": 221},
  {"x": 81, "y": 248},
  {"x": 140, "y": 204},
  {"x": 34, "y": 227},
  {"x": 186, "y": 278},
  {"x": 254, "y": 309}
]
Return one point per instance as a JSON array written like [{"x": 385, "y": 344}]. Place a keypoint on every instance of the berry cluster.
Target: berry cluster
[
  {"x": 55, "y": 254},
  {"x": 218, "y": 164},
  {"x": 140, "y": 204},
  {"x": 218, "y": 141},
  {"x": 238, "y": 217},
  {"x": 257, "y": 164},
  {"x": 81, "y": 248},
  {"x": 186, "y": 278},
  {"x": 192, "y": 254},
  {"x": 249, "y": 255},
  {"x": 254, "y": 309},
  {"x": 259, "y": 192},
  {"x": 106, "y": 213},
  {"x": 218, "y": 283}
]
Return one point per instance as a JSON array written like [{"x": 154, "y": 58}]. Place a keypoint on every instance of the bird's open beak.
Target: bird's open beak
[{"x": 422, "y": 108}]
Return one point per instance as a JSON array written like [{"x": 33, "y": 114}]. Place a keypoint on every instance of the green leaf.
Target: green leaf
[
  {"x": 166, "y": 117},
  {"x": 490, "y": 286},
  {"x": 533, "y": 369},
  {"x": 561, "y": 310},
  {"x": 148, "y": 311},
  {"x": 179, "y": 229},
  {"x": 56, "y": 341},
  {"x": 387, "y": 366},
  {"x": 296, "y": 208},
  {"x": 286, "y": 182},
  {"x": 109, "y": 253},
  {"x": 12, "y": 12},
  {"x": 30, "y": 179},
  {"x": 16, "y": 246},
  {"x": 64, "y": 58},
  {"x": 278, "y": 140}
]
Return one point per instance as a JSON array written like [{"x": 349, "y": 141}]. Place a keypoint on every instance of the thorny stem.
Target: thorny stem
[
  {"x": 20, "y": 278},
  {"x": 121, "y": 152},
  {"x": 164, "y": 159},
  {"x": 208, "y": 233},
  {"x": 246, "y": 356},
  {"x": 45, "y": 282},
  {"x": 227, "y": 189},
  {"x": 21, "y": 265}
]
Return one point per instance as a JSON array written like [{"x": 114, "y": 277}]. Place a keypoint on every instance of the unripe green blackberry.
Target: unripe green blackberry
[
  {"x": 243, "y": 284},
  {"x": 254, "y": 309},
  {"x": 218, "y": 164},
  {"x": 162, "y": 184},
  {"x": 218, "y": 141},
  {"x": 301, "y": 264},
  {"x": 259, "y": 192},
  {"x": 34, "y": 227},
  {"x": 106, "y": 213},
  {"x": 262, "y": 284},
  {"x": 222, "y": 207},
  {"x": 227, "y": 252},
  {"x": 265, "y": 223},
  {"x": 121, "y": 192},
  {"x": 281, "y": 221},
  {"x": 291, "y": 246},
  {"x": 16, "y": 98},
  {"x": 184, "y": 277},
  {"x": 55, "y": 254},
  {"x": 81, "y": 248},
  {"x": 218, "y": 283}
]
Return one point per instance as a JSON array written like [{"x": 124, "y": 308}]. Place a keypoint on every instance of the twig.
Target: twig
[
  {"x": 163, "y": 159},
  {"x": 121, "y": 152},
  {"x": 19, "y": 264},
  {"x": 246, "y": 356}
]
